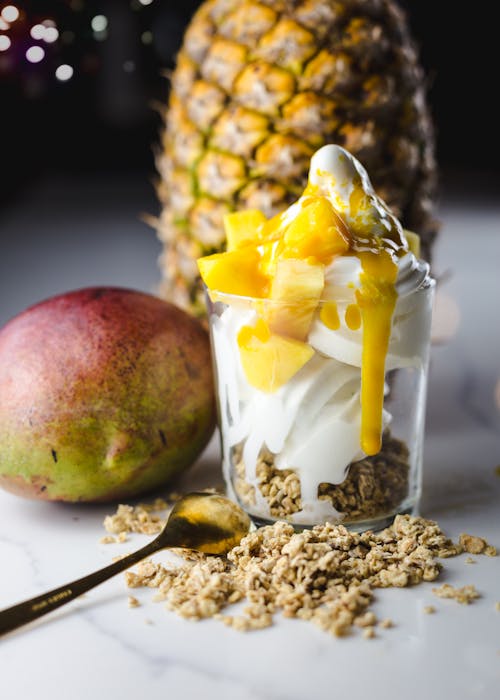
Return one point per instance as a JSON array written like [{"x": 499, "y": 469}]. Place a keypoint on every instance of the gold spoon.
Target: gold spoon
[{"x": 206, "y": 522}]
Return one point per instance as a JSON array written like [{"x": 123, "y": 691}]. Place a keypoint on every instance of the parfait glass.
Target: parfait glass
[{"x": 289, "y": 410}]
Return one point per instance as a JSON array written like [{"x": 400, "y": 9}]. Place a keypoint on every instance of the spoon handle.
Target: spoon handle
[{"x": 29, "y": 610}]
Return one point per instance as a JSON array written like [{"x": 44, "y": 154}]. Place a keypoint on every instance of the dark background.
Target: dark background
[{"x": 104, "y": 119}]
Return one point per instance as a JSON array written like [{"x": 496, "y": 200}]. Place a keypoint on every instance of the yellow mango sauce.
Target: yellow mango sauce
[{"x": 376, "y": 298}]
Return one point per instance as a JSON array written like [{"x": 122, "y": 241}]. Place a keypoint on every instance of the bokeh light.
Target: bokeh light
[
  {"x": 64, "y": 72},
  {"x": 4, "y": 43},
  {"x": 47, "y": 31},
  {"x": 10, "y": 13},
  {"x": 99, "y": 23},
  {"x": 35, "y": 54},
  {"x": 37, "y": 32},
  {"x": 50, "y": 35}
]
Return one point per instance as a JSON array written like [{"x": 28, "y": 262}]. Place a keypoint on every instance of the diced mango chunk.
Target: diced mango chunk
[
  {"x": 317, "y": 231},
  {"x": 413, "y": 240},
  {"x": 241, "y": 228},
  {"x": 274, "y": 228},
  {"x": 269, "y": 361},
  {"x": 296, "y": 287},
  {"x": 237, "y": 272}
]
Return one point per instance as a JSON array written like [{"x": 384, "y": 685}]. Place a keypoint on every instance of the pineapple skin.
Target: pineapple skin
[{"x": 258, "y": 87}]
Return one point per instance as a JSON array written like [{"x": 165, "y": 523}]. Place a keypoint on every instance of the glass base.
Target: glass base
[
  {"x": 374, "y": 524},
  {"x": 374, "y": 490}
]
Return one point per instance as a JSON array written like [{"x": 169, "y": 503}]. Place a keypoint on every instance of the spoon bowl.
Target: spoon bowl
[{"x": 207, "y": 522}]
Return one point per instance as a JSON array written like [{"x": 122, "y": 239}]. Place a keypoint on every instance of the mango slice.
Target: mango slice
[
  {"x": 269, "y": 361},
  {"x": 273, "y": 229},
  {"x": 317, "y": 232},
  {"x": 241, "y": 228},
  {"x": 237, "y": 272}
]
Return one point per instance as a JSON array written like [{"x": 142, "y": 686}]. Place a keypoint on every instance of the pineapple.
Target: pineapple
[
  {"x": 259, "y": 86},
  {"x": 294, "y": 292}
]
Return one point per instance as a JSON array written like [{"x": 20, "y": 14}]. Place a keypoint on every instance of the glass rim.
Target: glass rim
[{"x": 215, "y": 295}]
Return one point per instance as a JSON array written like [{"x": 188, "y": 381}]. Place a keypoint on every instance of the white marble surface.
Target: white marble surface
[{"x": 98, "y": 648}]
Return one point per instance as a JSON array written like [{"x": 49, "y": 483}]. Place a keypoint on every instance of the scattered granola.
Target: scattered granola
[
  {"x": 325, "y": 575},
  {"x": 133, "y": 602},
  {"x": 144, "y": 518},
  {"x": 107, "y": 539},
  {"x": 497, "y": 606},
  {"x": 472, "y": 544},
  {"x": 470, "y": 560},
  {"x": 110, "y": 539},
  {"x": 429, "y": 609},
  {"x": 369, "y": 633},
  {"x": 464, "y": 595},
  {"x": 374, "y": 486},
  {"x": 368, "y": 619},
  {"x": 386, "y": 624},
  {"x": 147, "y": 519}
]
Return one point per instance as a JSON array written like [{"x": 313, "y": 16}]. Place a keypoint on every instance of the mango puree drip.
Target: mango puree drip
[{"x": 376, "y": 299}]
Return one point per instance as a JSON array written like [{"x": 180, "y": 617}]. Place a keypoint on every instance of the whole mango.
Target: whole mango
[{"x": 105, "y": 393}]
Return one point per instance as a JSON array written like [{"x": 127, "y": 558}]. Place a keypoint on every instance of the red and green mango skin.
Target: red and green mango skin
[{"x": 105, "y": 393}]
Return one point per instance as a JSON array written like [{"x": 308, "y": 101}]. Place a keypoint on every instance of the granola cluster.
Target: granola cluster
[
  {"x": 374, "y": 486},
  {"x": 144, "y": 519},
  {"x": 476, "y": 545},
  {"x": 463, "y": 595},
  {"x": 326, "y": 575}
]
